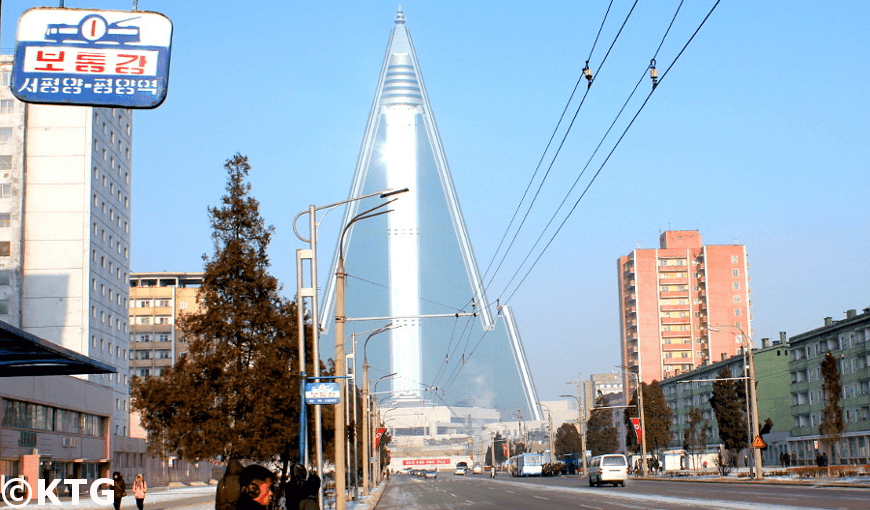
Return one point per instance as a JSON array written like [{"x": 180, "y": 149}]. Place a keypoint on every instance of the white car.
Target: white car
[
  {"x": 461, "y": 468},
  {"x": 610, "y": 468}
]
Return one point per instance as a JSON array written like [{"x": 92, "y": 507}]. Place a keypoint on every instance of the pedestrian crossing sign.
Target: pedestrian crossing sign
[{"x": 758, "y": 442}]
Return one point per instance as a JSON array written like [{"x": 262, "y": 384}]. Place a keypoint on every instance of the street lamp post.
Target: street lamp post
[
  {"x": 753, "y": 398},
  {"x": 311, "y": 292},
  {"x": 365, "y": 389},
  {"x": 641, "y": 413},
  {"x": 340, "y": 369},
  {"x": 372, "y": 413},
  {"x": 581, "y": 424},
  {"x": 549, "y": 432}
]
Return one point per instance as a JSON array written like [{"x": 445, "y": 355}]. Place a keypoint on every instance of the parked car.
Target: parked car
[{"x": 609, "y": 468}]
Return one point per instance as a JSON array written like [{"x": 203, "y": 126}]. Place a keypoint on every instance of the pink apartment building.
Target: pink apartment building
[{"x": 682, "y": 305}]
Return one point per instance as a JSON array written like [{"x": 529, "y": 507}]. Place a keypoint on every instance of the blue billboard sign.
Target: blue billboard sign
[
  {"x": 90, "y": 57},
  {"x": 322, "y": 393}
]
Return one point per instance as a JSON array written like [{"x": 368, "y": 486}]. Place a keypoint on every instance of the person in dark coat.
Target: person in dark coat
[
  {"x": 310, "y": 490},
  {"x": 228, "y": 488},
  {"x": 255, "y": 488},
  {"x": 120, "y": 489},
  {"x": 292, "y": 488}
]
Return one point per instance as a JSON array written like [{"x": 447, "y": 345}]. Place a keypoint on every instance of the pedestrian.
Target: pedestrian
[
  {"x": 139, "y": 490},
  {"x": 228, "y": 488},
  {"x": 292, "y": 490},
  {"x": 825, "y": 459},
  {"x": 310, "y": 490},
  {"x": 120, "y": 489},
  {"x": 255, "y": 488}
]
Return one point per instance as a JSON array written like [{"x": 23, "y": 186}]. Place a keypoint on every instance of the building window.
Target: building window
[
  {"x": 5, "y": 277},
  {"x": 735, "y": 272},
  {"x": 733, "y": 259},
  {"x": 163, "y": 337},
  {"x": 5, "y": 220},
  {"x": 4, "y": 307},
  {"x": 5, "y": 190},
  {"x": 5, "y": 248},
  {"x": 6, "y": 105},
  {"x": 6, "y": 162},
  {"x": 144, "y": 304},
  {"x": 737, "y": 312},
  {"x": 736, "y": 285},
  {"x": 5, "y": 134}
]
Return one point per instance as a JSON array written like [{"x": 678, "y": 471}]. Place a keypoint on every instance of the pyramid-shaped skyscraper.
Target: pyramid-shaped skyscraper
[{"x": 414, "y": 267}]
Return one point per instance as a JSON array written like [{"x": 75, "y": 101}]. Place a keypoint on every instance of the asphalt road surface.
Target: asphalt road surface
[{"x": 564, "y": 493}]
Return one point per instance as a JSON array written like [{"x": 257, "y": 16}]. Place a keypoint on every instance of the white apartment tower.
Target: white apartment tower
[{"x": 65, "y": 230}]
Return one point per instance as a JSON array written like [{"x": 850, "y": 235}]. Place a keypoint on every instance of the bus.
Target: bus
[{"x": 526, "y": 464}]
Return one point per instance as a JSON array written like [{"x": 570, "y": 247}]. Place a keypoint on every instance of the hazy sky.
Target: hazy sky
[{"x": 758, "y": 134}]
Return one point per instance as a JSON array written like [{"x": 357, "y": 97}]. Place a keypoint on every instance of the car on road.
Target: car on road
[
  {"x": 476, "y": 469},
  {"x": 461, "y": 468},
  {"x": 430, "y": 473},
  {"x": 608, "y": 468}
]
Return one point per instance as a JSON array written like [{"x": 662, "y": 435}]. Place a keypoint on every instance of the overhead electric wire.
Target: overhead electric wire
[
  {"x": 562, "y": 142},
  {"x": 458, "y": 369},
  {"x": 544, "y": 154},
  {"x": 618, "y": 141},
  {"x": 591, "y": 157}
]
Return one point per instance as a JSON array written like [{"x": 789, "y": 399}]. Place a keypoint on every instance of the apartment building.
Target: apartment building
[
  {"x": 156, "y": 302},
  {"x": 64, "y": 261},
  {"x": 682, "y": 305},
  {"x": 849, "y": 341}
]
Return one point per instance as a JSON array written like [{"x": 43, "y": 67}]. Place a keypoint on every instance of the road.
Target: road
[{"x": 564, "y": 493}]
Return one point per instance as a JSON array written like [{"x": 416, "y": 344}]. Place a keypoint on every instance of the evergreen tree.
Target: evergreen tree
[
  {"x": 729, "y": 405},
  {"x": 567, "y": 439},
  {"x": 236, "y": 393},
  {"x": 657, "y": 418},
  {"x": 601, "y": 434},
  {"x": 832, "y": 425}
]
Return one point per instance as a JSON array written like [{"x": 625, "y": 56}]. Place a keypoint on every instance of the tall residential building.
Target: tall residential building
[
  {"x": 682, "y": 305},
  {"x": 415, "y": 267},
  {"x": 156, "y": 302},
  {"x": 64, "y": 255}
]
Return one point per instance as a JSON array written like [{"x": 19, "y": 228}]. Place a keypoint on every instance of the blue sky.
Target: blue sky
[{"x": 758, "y": 134}]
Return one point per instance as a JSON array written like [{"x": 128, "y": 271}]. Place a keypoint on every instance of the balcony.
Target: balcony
[
  {"x": 677, "y": 334},
  {"x": 675, "y": 320},
  {"x": 674, "y": 294}
]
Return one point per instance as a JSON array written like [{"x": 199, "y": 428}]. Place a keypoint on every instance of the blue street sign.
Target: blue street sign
[
  {"x": 322, "y": 393},
  {"x": 90, "y": 57}
]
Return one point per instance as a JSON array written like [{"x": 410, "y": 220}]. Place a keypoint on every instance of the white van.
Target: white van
[{"x": 610, "y": 468}]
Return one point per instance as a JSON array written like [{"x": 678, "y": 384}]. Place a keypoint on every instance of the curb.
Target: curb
[{"x": 764, "y": 481}]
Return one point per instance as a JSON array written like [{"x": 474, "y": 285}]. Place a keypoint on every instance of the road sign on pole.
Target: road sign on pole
[
  {"x": 758, "y": 442},
  {"x": 92, "y": 57}
]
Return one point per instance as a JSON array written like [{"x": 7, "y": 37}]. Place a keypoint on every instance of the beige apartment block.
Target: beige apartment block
[{"x": 157, "y": 300}]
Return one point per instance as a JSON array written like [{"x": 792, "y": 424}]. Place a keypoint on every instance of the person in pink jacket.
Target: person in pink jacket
[{"x": 139, "y": 490}]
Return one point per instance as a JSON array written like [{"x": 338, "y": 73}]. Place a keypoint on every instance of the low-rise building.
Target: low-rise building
[{"x": 849, "y": 341}]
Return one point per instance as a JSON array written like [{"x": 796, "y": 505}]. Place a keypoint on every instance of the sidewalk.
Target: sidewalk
[{"x": 772, "y": 476}]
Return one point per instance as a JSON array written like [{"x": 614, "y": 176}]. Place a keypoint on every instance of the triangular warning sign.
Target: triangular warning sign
[{"x": 758, "y": 442}]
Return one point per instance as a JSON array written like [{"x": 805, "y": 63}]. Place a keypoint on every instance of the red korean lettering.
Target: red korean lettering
[
  {"x": 135, "y": 64},
  {"x": 50, "y": 59},
  {"x": 90, "y": 62}
]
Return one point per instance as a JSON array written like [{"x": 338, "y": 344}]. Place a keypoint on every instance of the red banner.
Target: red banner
[
  {"x": 378, "y": 434},
  {"x": 504, "y": 448},
  {"x": 426, "y": 462},
  {"x": 637, "y": 430}
]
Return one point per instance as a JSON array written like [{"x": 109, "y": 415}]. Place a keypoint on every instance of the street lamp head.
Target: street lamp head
[{"x": 395, "y": 192}]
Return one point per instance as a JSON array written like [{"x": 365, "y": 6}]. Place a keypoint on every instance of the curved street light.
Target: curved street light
[
  {"x": 749, "y": 356},
  {"x": 581, "y": 424}
]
